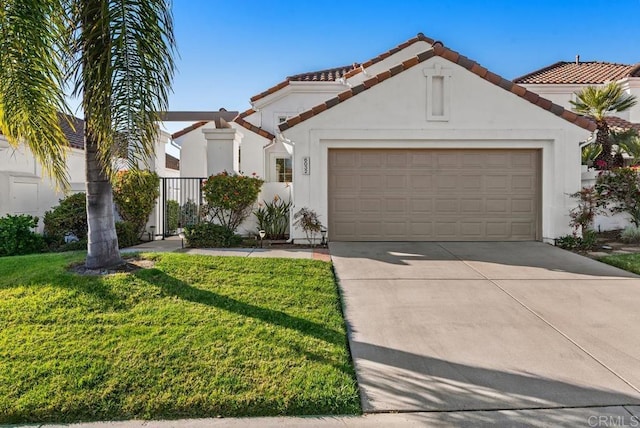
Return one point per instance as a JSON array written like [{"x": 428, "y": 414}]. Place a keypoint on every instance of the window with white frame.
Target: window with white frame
[{"x": 284, "y": 169}]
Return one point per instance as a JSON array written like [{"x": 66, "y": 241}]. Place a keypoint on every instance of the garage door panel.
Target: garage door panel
[
  {"x": 421, "y": 206},
  {"x": 421, "y": 181},
  {"x": 433, "y": 194},
  {"x": 371, "y": 160},
  {"x": 420, "y": 159}
]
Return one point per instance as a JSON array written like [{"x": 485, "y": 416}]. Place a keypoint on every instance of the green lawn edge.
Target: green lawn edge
[{"x": 194, "y": 336}]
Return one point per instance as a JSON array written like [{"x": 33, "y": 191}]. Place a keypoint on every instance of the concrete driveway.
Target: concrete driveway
[{"x": 480, "y": 326}]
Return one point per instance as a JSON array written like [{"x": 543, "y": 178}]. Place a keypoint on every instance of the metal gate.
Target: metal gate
[{"x": 179, "y": 205}]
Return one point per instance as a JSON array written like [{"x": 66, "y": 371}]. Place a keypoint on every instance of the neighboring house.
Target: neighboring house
[
  {"x": 561, "y": 81},
  {"x": 24, "y": 190},
  {"x": 419, "y": 143}
]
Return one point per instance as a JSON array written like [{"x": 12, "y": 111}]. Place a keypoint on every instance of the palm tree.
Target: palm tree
[
  {"x": 117, "y": 55},
  {"x": 598, "y": 102}
]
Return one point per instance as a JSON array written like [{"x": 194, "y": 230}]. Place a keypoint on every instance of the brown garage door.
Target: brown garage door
[{"x": 431, "y": 195}]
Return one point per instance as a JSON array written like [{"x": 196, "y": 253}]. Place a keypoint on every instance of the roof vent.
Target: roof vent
[{"x": 577, "y": 59}]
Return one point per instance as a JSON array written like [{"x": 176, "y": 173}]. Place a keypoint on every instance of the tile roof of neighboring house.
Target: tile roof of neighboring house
[
  {"x": 474, "y": 67},
  {"x": 587, "y": 72},
  {"x": 617, "y": 123},
  {"x": 250, "y": 126},
  {"x": 74, "y": 131},
  {"x": 328, "y": 75},
  {"x": 73, "y": 128},
  {"x": 171, "y": 162},
  {"x": 338, "y": 72},
  {"x": 188, "y": 129}
]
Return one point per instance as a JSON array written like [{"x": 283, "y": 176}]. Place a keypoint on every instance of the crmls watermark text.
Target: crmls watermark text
[{"x": 605, "y": 421}]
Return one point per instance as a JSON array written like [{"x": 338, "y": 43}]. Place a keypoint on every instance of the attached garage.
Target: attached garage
[
  {"x": 434, "y": 147},
  {"x": 434, "y": 195}
]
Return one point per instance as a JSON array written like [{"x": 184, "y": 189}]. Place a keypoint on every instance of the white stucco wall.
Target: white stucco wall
[
  {"x": 23, "y": 190},
  {"x": 392, "y": 114},
  {"x": 292, "y": 100},
  {"x": 193, "y": 152},
  {"x": 562, "y": 94}
]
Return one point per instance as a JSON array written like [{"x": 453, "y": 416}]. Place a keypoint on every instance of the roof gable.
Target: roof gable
[
  {"x": 250, "y": 126},
  {"x": 580, "y": 72},
  {"x": 455, "y": 57},
  {"x": 188, "y": 129},
  {"x": 333, "y": 74}
]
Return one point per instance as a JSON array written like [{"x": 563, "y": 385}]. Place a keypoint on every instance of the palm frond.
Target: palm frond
[
  {"x": 128, "y": 65},
  {"x": 31, "y": 81},
  {"x": 628, "y": 141},
  {"x": 597, "y": 102}
]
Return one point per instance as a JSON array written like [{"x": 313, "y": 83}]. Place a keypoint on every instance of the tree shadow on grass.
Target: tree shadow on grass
[{"x": 182, "y": 290}]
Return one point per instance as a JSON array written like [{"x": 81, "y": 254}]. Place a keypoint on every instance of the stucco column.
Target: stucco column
[{"x": 220, "y": 151}]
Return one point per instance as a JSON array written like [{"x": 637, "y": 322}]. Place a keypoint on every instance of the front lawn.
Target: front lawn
[
  {"x": 628, "y": 262},
  {"x": 194, "y": 336}
]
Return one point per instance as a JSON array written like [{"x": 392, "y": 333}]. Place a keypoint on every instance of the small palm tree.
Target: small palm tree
[
  {"x": 117, "y": 55},
  {"x": 598, "y": 102},
  {"x": 627, "y": 141}
]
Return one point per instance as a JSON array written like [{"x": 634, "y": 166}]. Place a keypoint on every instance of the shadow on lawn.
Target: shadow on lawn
[{"x": 182, "y": 290}]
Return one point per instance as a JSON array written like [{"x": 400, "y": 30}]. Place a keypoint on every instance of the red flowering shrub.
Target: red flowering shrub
[{"x": 230, "y": 197}]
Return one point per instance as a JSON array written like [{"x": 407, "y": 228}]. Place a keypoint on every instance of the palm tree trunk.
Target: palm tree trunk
[
  {"x": 605, "y": 157},
  {"x": 103, "y": 242}
]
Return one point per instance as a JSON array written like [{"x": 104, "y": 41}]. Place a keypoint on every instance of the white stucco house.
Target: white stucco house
[
  {"x": 25, "y": 190},
  {"x": 419, "y": 143}
]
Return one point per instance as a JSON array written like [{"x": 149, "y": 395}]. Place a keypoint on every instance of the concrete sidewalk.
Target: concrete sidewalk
[
  {"x": 618, "y": 416},
  {"x": 174, "y": 244}
]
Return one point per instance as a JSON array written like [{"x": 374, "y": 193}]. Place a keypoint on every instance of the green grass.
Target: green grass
[
  {"x": 628, "y": 262},
  {"x": 195, "y": 336}
]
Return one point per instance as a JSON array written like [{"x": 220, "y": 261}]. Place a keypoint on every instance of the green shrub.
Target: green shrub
[
  {"x": 135, "y": 194},
  {"x": 574, "y": 242},
  {"x": 73, "y": 246},
  {"x": 173, "y": 216},
  {"x": 17, "y": 236},
  {"x": 69, "y": 217},
  {"x": 189, "y": 213},
  {"x": 209, "y": 235},
  {"x": 620, "y": 190},
  {"x": 630, "y": 235},
  {"x": 273, "y": 218},
  {"x": 127, "y": 234},
  {"x": 230, "y": 197}
]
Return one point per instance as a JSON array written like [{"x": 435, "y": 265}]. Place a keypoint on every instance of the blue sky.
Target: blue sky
[{"x": 231, "y": 50}]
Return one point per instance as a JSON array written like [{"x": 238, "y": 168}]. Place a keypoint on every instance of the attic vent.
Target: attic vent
[{"x": 438, "y": 88}]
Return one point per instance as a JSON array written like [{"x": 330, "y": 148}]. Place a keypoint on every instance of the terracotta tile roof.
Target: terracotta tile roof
[
  {"x": 333, "y": 74},
  {"x": 188, "y": 129},
  {"x": 171, "y": 162},
  {"x": 418, "y": 38},
  {"x": 617, "y": 123},
  {"x": 250, "y": 126},
  {"x": 328, "y": 75},
  {"x": 587, "y": 72},
  {"x": 441, "y": 51}
]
